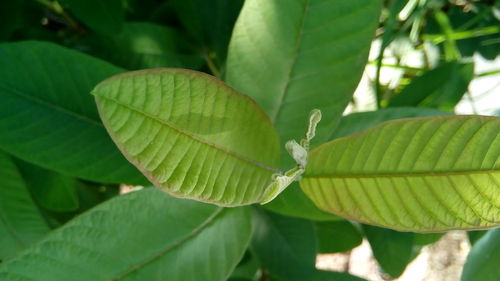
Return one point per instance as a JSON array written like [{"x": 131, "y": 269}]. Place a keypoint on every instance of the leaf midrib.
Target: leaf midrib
[
  {"x": 404, "y": 174},
  {"x": 181, "y": 241},
  {"x": 288, "y": 81},
  {"x": 51, "y": 105},
  {"x": 189, "y": 135}
]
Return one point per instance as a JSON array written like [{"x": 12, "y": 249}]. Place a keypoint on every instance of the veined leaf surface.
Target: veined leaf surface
[
  {"x": 190, "y": 134},
  {"x": 48, "y": 118},
  {"x": 422, "y": 174},
  {"x": 305, "y": 54},
  {"x": 294, "y": 57},
  {"x": 144, "y": 235}
]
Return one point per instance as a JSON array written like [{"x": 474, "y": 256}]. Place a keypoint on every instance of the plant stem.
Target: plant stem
[
  {"x": 58, "y": 9},
  {"x": 211, "y": 65}
]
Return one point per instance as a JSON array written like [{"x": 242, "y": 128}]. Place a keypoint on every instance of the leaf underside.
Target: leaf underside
[
  {"x": 422, "y": 174},
  {"x": 190, "y": 134}
]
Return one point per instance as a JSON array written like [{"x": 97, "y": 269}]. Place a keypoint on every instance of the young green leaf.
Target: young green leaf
[
  {"x": 144, "y": 235},
  {"x": 48, "y": 118},
  {"x": 285, "y": 246},
  {"x": 482, "y": 262},
  {"x": 103, "y": 16},
  {"x": 21, "y": 223},
  {"x": 190, "y": 134},
  {"x": 422, "y": 174}
]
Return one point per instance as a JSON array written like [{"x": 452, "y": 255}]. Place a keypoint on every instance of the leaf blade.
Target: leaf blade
[
  {"x": 184, "y": 114},
  {"x": 154, "y": 239},
  {"x": 21, "y": 223},
  {"x": 48, "y": 118},
  {"x": 482, "y": 261},
  {"x": 282, "y": 48},
  {"x": 429, "y": 169}
]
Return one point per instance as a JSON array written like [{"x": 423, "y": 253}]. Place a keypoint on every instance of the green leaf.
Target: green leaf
[
  {"x": 296, "y": 57},
  {"x": 442, "y": 87},
  {"x": 322, "y": 275},
  {"x": 210, "y": 23},
  {"x": 293, "y": 202},
  {"x": 474, "y": 236},
  {"x": 144, "y": 235},
  {"x": 303, "y": 55},
  {"x": 422, "y": 239},
  {"x": 21, "y": 223},
  {"x": 392, "y": 249},
  {"x": 424, "y": 174},
  {"x": 48, "y": 118},
  {"x": 145, "y": 45},
  {"x": 51, "y": 190},
  {"x": 285, "y": 246},
  {"x": 247, "y": 269},
  {"x": 190, "y": 134},
  {"x": 482, "y": 261},
  {"x": 337, "y": 236},
  {"x": 357, "y": 122},
  {"x": 103, "y": 16}
]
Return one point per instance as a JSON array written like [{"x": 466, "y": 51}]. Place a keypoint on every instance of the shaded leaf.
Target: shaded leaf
[
  {"x": 144, "y": 235},
  {"x": 21, "y": 223},
  {"x": 423, "y": 174},
  {"x": 145, "y": 45},
  {"x": 293, "y": 202},
  {"x": 474, "y": 236},
  {"x": 442, "y": 87},
  {"x": 210, "y": 23},
  {"x": 357, "y": 122},
  {"x": 422, "y": 239},
  {"x": 284, "y": 246},
  {"x": 337, "y": 236},
  {"x": 247, "y": 269},
  {"x": 322, "y": 275},
  {"x": 392, "y": 249},
  {"x": 190, "y": 134},
  {"x": 48, "y": 118},
  {"x": 103, "y": 16},
  {"x": 51, "y": 190},
  {"x": 482, "y": 261}
]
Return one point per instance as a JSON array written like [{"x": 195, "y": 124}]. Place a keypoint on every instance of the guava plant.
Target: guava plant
[{"x": 243, "y": 176}]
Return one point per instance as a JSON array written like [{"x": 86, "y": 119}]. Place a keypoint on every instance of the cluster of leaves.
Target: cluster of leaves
[{"x": 194, "y": 137}]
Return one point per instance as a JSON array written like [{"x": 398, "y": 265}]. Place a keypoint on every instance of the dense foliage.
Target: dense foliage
[{"x": 223, "y": 122}]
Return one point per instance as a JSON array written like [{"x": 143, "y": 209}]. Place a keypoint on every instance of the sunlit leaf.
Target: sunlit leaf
[
  {"x": 190, "y": 134},
  {"x": 422, "y": 174}
]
